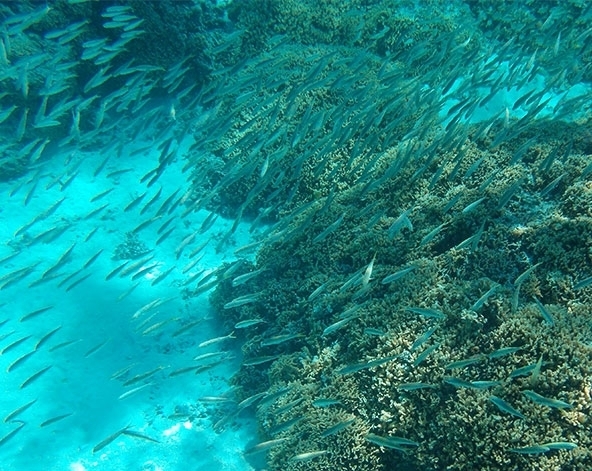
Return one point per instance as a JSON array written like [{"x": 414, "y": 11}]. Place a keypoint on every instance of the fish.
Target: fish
[
  {"x": 264, "y": 446},
  {"x": 50, "y": 235},
  {"x": 248, "y": 323},
  {"x": 117, "y": 173},
  {"x": 115, "y": 10},
  {"x": 583, "y": 283},
  {"x": 481, "y": 301},
  {"x": 46, "y": 279},
  {"x": 154, "y": 327},
  {"x": 132, "y": 267},
  {"x": 19, "y": 361},
  {"x": 283, "y": 426},
  {"x": 150, "y": 202},
  {"x": 338, "y": 427},
  {"x": 149, "y": 306},
  {"x": 215, "y": 399},
  {"x": 249, "y": 401},
  {"x": 430, "y": 235},
  {"x": 144, "y": 224},
  {"x": 63, "y": 344},
  {"x": 534, "y": 376},
  {"x": 143, "y": 271},
  {"x": 77, "y": 282},
  {"x": 97, "y": 80},
  {"x": 34, "y": 377},
  {"x": 355, "y": 279},
  {"x": 501, "y": 352},
  {"x": 11, "y": 434},
  {"x": 68, "y": 181},
  {"x": 64, "y": 258},
  {"x": 247, "y": 247},
  {"x": 191, "y": 265},
  {"x": 116, "y": 270},
  {"x": 242, "y": 300},
  {"x": 547, "y": 317},
  {"x": 91, "y": 215},
  {"x": 426, "y": 312},
  {"x": 271, "y": 398},
  {"x": 19, "y": 411},
  {"x": 66, "y": 280},
  {"x": 184, "y": 243},
  {"x": 202, "y": 288},
  {"x": 337, "y": 325},
  {"x": 217, "y": 340},
  {"x": 101, "y": 165},
  {"x": 505, "y": 407},
  {"x": 523, "y": 371},
  {"x": 458, "y": 382},
  {"x": 317, "y": 292},
  {"x": 14, "y": 344},
  {"x": 17, "y": 275},
  {"x": 55, "y": 419},
  {"x": 241, "y": 279},
  {"x": 199, "y": 248},
  {"x": 208, "y": 223},
  {"x": 31, "y": 192},
  {"x": 162, "y": 276},
  {"x": 509, "y": 193},
  {"x": 133, "y": 391},
  {"x": 4, "y": 115},
  {"x": 354, "y": 368},
  {"x": 326, "y": 402},
  {"x": 96, "y": 348},
  {"x": 545, "y": 401},
  {"x": 368, "y": 272},
  {"x": 259, "y": 360},
  {"x": 397, "y": 275},
  {"x": 279, "y": 339},
  {"x": 132, "y": 433},
  {"x": 393, "y": 442},
  {"x": 473, "y": 205},
  {"x": 551, "y": 186},
  {"x": 530, "y": 450},
  {"x": 329, "y": 230},
  {"x": 423, "y": 338},
  {"x": 111, "y": 438},
  {"x": 187, "y": 369},
  {"x": 142, "y": 376},
  {"x": 186, "y": 327},
  {"x": 288, "y": 407},
  {"x": 308, "y": 456},
  {"x": 455, "y": 199},
  {"x": 92, "y": 259},
  {"x": 126, "y": 293},
  {"x": 121, "y": 372},
  {"x": 560, "y": 445},
  {"x": 166, "y": 204},
  {"x": 472, "y": 241},
  {"x": 164, "y": 236},
  {"x": 101, "y": 195}
]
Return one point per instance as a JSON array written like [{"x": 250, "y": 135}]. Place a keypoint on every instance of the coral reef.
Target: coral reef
[
  {"x": 451, "y": 418},
  {"x": 131, "y": 248}
]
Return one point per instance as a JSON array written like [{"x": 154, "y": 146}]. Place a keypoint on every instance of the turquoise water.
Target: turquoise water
[{"x": 295, "y": 235}]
